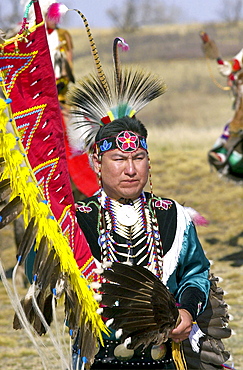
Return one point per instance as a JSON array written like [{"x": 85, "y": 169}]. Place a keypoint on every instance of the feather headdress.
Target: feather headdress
[{"x": 97, "y": 100}]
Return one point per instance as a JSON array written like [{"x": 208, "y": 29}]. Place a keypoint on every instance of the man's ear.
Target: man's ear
[{"x": 96, "y": 163}]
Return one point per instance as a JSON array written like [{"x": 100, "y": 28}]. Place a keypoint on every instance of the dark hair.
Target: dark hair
[{"x": 121, "y": 124}]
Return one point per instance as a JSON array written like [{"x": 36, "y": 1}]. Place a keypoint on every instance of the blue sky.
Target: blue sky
[
  {"x": 202, "y": 11},
  {"x": 193, "y": 10}
]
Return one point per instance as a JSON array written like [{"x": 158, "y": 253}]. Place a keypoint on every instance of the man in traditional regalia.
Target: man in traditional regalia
[{"x": 136, "y": 254}]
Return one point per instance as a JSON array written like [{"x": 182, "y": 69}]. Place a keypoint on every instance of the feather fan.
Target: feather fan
[{"x": 141, "y": 304}]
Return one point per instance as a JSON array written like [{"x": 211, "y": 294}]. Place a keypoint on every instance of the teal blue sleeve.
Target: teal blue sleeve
[{"x": 193, "y": 267}]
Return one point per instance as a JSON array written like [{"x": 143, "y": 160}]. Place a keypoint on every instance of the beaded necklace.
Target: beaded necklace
[{"x": 137, "y": 226}]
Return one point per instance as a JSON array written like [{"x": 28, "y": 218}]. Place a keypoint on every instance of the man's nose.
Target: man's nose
[{"x": 130, "y": 168}]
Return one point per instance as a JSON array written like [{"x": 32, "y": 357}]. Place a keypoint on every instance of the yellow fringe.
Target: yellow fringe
[
  {"x": 178, "y": 356},
  {"x": 24, "y": 184}
]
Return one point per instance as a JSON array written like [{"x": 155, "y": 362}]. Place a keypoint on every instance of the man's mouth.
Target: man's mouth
[{"x": 130, "y": 181}]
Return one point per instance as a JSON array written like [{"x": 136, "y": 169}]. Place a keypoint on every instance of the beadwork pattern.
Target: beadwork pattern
[{"x": 141, "y": 241}]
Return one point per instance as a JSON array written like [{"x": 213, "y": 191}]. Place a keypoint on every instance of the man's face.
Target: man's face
[{"x": 123, "y": 175}]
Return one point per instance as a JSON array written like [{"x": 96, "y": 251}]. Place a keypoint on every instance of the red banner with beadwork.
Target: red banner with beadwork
[{"x": 30, "y": 83}]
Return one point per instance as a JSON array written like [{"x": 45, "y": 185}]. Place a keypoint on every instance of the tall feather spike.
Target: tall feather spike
[{"x": 118, "y": 42}]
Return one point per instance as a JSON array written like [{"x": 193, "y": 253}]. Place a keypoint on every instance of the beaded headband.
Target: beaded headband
[{"x": 126, "y": 141}]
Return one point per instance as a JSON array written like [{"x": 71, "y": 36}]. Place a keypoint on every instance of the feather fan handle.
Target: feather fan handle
[
  {"x": 178, "y": 356},
  {"x": 118, "y": 42},
  {"x": 55, "y": 12}
]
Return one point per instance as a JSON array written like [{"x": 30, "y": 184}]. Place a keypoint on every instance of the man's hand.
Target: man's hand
[{"x": 182, "y": 331}]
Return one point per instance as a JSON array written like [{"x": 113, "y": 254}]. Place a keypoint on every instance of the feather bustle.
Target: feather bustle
[{"x": 213, "y": 322}]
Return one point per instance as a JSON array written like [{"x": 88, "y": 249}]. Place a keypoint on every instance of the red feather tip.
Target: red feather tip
[{"x": 56, "y": 11}]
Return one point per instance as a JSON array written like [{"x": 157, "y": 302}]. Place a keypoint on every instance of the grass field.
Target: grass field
[{"x": 183, "y": 125}]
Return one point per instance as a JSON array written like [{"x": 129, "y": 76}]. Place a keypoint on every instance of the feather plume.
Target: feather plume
[
  {"x": 56, "y": 11},
  {"x": 196, "y": 217},
  {"x": 72, "y": 309},
  {"x": 26, "y": 304}
]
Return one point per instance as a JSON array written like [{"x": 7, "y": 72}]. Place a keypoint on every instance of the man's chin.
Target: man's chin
[{"x": 131, "y": 193}]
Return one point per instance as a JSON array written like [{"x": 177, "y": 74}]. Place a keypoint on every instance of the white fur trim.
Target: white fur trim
[{"x": 172, "y": 256}]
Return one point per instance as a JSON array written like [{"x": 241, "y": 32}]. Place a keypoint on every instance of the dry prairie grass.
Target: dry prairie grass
[
  {"x": 183, "y": 125},
  {"x": 179, "y": 171}
]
